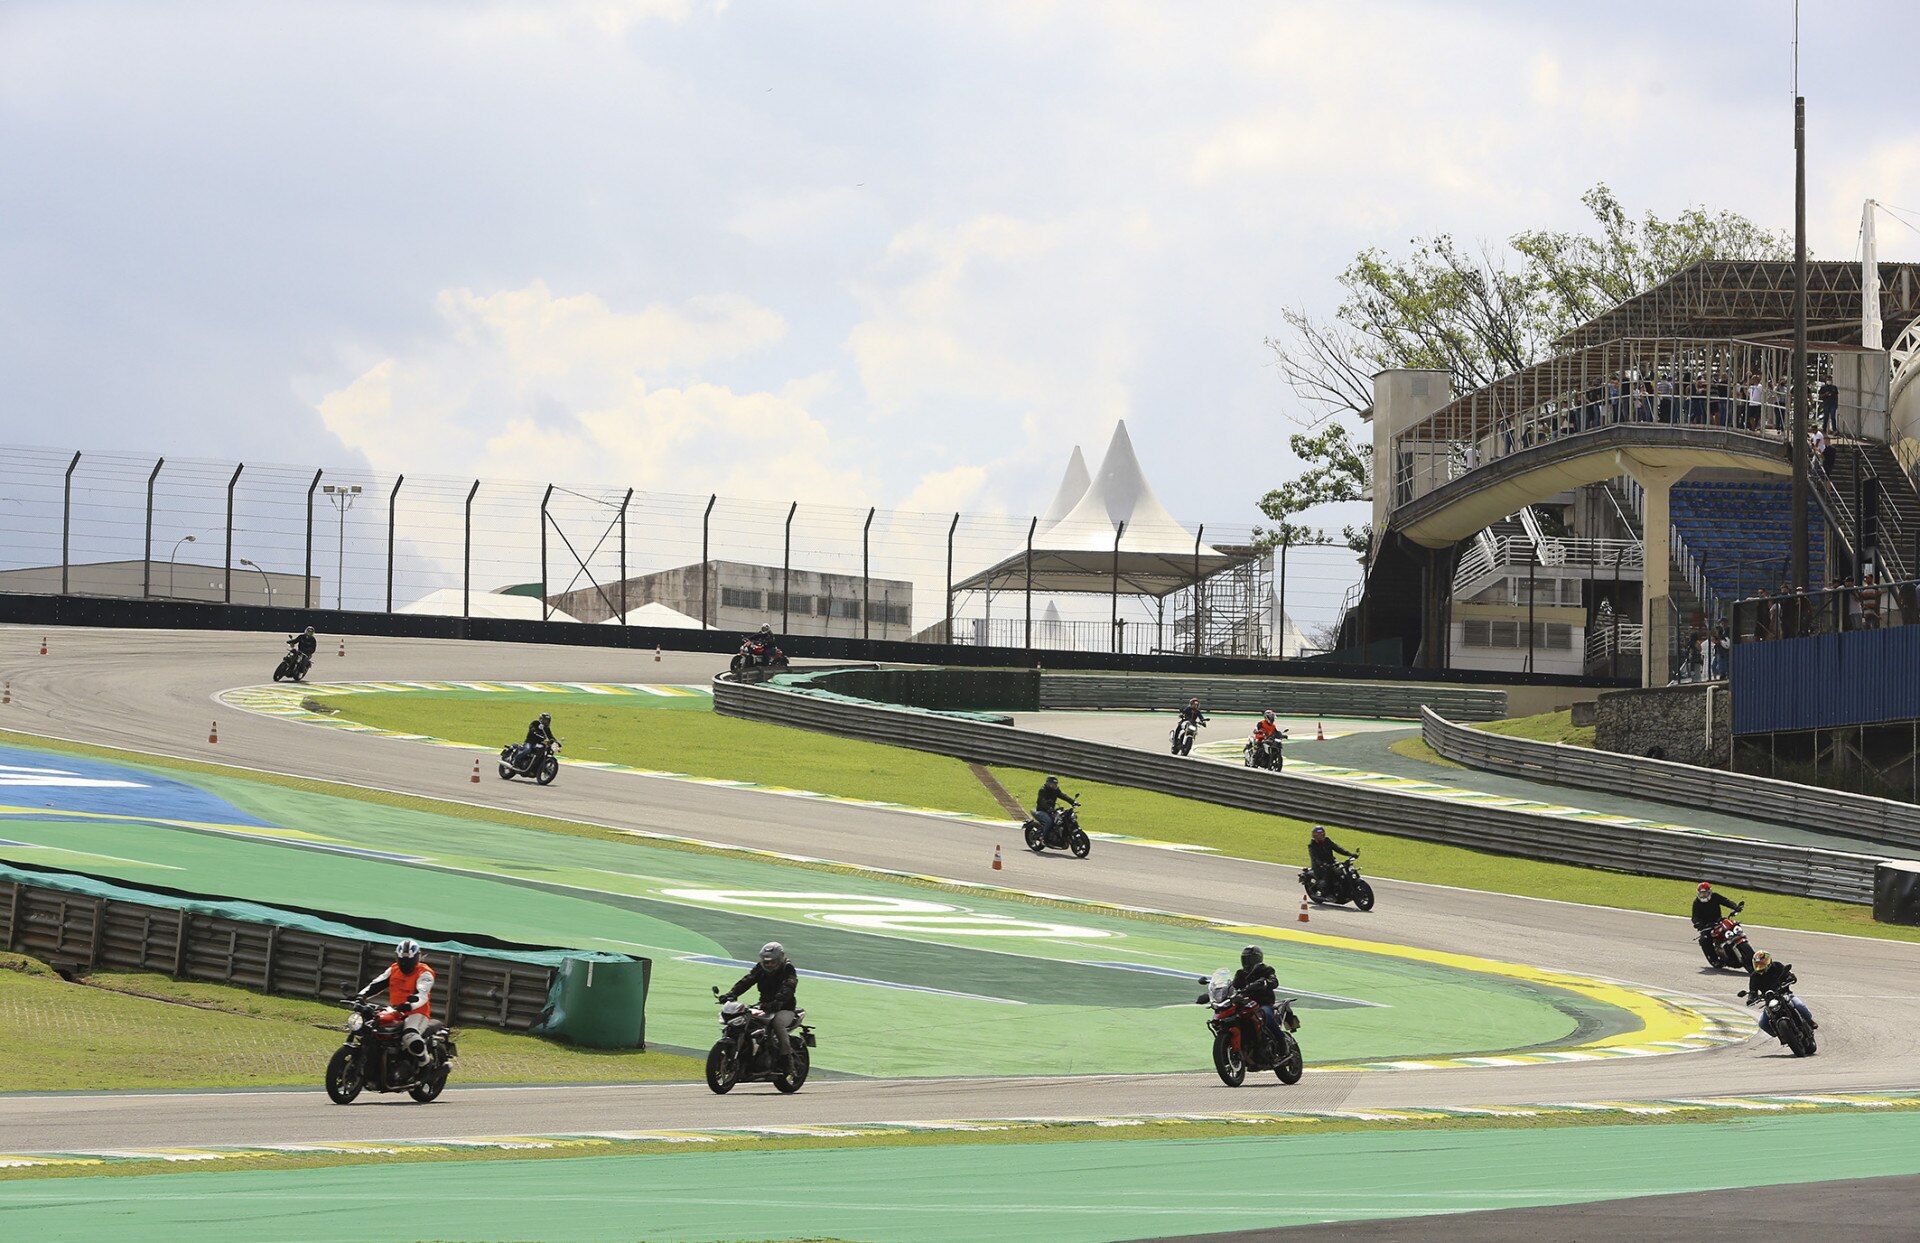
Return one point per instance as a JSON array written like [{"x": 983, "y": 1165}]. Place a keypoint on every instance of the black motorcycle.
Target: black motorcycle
[
  {"x": 293, "y": 666},
  {"x": 745, "y": 1051},
  {"x": 373, "y": 1059},
  {"x": 1066, "y": 833},
  {"x": 1790, "y": 1027},
  {"x": 1345, "y": 886},
  {"x": 1265, "y": 752},
  {"x": 517, "y": 759},
  {"x": 1183, "y": 735},
  {"x": 1241, "y": 1041}
]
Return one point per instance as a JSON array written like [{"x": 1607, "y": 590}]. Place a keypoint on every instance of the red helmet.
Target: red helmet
[
  {"x": 1319, "y": 832},
  {"x": 1705, "y": 889}
]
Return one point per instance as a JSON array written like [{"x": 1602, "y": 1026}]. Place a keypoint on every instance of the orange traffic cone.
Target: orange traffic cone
[
  {"x": 1319, "y": 731},
  {"x": 656, "y": 653},
  {"x": 475, "y": 779},
  {"x": 213, "y": 732},
  {"x": 343, "y": 645},
  {"x": 6, "y": 695},
  {"x": 1303, "y": 910},
  {"x": 996, "y": 857},
  {"x": 43, "y": 645}
]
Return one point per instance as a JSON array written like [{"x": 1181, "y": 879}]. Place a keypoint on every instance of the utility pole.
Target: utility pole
[{"x": 1800, "y": 318}]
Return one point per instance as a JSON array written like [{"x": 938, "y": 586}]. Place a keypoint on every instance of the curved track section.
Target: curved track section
[{"x": 155, "y": 692}]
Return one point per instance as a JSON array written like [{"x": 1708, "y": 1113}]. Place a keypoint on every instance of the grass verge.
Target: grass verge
[
  {"x": 698, "y": 742},
  {"x": 149, "y": 1031},
  {"x": 1546, "y": 727},
  {"x": 1244, "y": 1127}
]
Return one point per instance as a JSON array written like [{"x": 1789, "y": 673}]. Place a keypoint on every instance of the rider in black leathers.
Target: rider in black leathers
[
  {"x": 305, "y": 644},
  {"x": 1043, "y": 805},
  {"x": 1320, "y": 852},
  {"x": 1192, "y": 713},
  {"x": 1707, "y": 906},
  {"x": 1768, "y": 975},
  {"x": 1257, "y": 980},
  {"x": 779, "y": 984},
  {"x": 539, "y": 741}
]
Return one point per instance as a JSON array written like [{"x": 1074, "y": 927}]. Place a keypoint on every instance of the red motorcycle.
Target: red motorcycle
[
  {"x": 1725, "y": 944},
  {"x": 1241, "y": 1041},
  {"x": 755, "y": 654}
]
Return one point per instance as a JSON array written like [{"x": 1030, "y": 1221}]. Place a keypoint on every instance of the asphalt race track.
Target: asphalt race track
[{"x": 153, "y": 692}]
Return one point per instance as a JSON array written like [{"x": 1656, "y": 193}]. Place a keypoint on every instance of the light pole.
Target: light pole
[
  {"x": 184, "y": 539},
  {"x": 342, "y": 496},
  {"x": 264, "y": 580}
]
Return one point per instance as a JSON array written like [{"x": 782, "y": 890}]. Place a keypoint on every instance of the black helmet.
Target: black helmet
[
  {"x": 1053, "y": 781},
  {"x": 1251, "y": 957},
  {"x": 546, "y": 719},
  {"x": 773, "y": 956},
  {"x": 1318, "y": 832}
]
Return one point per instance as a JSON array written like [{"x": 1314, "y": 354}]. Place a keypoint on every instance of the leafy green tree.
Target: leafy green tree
[{"x": 1475, "y": 313}]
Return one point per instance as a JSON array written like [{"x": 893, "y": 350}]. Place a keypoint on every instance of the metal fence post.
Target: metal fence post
[
  {"x": 66, "y": 521},
  {"x": 1196, "y": 587},
  {"x": 786, "y": 570},
  {"x": 866, "y": 579},
  {"x": 146, "y": 555},
  {"x": 306, "y": 590},
  {"x": 543, "y": 551},
  {"x": 393, "y": 521},
  {"x": 1280, "y": 622},
  {"x": 1118, "y": 529},
  {"x": 706, "y": 520},
  {"x": 955, "y": 526},
  {"x": 625, "y": 501},
  {"x": 1031, "y": 527},
  {"x": 226, "y": 593},
  {"x": 466, "y": 555}
]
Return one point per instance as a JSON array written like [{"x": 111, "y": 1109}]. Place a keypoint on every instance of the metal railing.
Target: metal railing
[{"x": 1804, "y": 871}]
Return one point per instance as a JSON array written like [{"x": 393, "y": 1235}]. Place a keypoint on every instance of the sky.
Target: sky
[{"x": 849, "y": 253}]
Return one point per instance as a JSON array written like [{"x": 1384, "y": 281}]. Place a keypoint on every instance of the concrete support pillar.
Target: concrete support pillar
[{"x": 1656, "y": 635}]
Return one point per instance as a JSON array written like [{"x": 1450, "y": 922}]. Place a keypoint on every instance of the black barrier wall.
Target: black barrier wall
[{"x": 159, "y": 614}]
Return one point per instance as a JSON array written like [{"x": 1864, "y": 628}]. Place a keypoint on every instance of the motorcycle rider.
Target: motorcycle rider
[
  {"x": 1044, "y": 804},
  {"x": 1258, "y": 981},
  {"x": 1267, "y": 733},
  {"x": 305, "y": 644},
  {"x": 1769, "y": 975},
  {"x": 765, "y": 640},
  {"x": 409, "y": 984},
  {"x": 539, "y": 741},
  {"x": 1320, "y": 852},
  {"x": 778, "y": 983},
  {"x": 1707, "y": 906},
  {"x": 1190, "y": 716}
]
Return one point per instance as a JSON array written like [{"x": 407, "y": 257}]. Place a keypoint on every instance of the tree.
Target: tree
[{"x": 1476, "y": 314}]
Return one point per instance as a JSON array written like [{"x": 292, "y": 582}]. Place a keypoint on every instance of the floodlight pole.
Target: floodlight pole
[
  {"x": 1800, "y": 334},
  {"x": 706, "y": 524},
  {"x": 1031, "y": 527},
  {"x": 866, "y": 582},
  {"x": 466, "y": 556},
  {"x": 786, "y": 570},
  {"x": 1118, "y": 529}
]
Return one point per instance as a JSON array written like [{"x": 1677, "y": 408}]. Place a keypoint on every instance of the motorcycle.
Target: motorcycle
[
  {"x": 373, "y": 1060},
  {"x": 1789, "y": 1026},
  {"x": 1265, "y": 752},
  {"x": 1347, "y": 886},
  {"x": 745, "y": 1051},
  {"x": 1066, "y": 833},
  {"x": 1183, "y": 735},
  {"x": 293, "y": 666},
  {"x": 517, "y": 760},
  {"x": 1241, "y": 1041},
  {"x": 754, "y": 654},
  {"x": 1725, "y": 944}
]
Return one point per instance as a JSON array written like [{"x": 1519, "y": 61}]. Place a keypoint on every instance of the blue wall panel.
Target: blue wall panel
[{"x": 1856, "y": 678}]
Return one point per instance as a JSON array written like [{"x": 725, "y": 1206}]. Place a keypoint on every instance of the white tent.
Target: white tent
[
  {"x": 1154, "y": 556},
  {"x": 447, "y": 602},
  {"x": 1073, "y": 486},
  {"x": 654, "y": 613}
]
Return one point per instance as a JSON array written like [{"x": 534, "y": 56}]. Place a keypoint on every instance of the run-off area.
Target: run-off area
[{"x": 901, "y": 980}]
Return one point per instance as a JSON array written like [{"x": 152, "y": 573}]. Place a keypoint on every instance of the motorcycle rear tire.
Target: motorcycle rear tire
[
  {"x": 426, "y": 1090},
  {"x": 548, "y": 771},
  {"x": 1035, "y": 842},
  {"x": 343, "y": 1078},
  {"x": 1080, "y": 844},
  {"x": 1228, "y": 1061},
  {"x": 802, "y": 1063},
  {"x": 1362, "y": 896},
  {"x": 723, "y": 1069},
  {"x": 1292, "y": 1063}
]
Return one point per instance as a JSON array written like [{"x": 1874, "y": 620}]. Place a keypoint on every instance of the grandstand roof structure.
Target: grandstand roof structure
[
  {"x": 1075, "y": 553},
  {"x": 1752, "y": 300}
]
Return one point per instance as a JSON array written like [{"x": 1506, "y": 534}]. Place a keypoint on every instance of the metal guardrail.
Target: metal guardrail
[
  {"x": 109, "y": 934},
  {"x": 1289, "y": 698},
  {"x": 1672, "y": 853},
  {"x": 1880, "y": 820}
]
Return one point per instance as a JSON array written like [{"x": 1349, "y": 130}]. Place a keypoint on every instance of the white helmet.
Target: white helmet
[
  {"x": 407, "y": 951},
  {"x": 773, "y": 956}
]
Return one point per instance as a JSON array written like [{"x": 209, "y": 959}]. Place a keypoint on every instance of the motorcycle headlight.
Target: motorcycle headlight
[{"x": 355, "y": 1022}]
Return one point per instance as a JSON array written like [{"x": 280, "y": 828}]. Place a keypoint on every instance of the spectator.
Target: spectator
[
  {"x": 1722, "y": 414},
  {"x": 1665, "y": 389},
  {"x": 1756, "y": 398},
  {"x": 1829, "y": 407},
  {"x": 1697, "y": 400},
  {"x": 1821, "y": 451}
]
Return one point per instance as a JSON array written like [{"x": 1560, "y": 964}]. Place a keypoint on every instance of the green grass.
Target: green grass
[
  {"x": 1416, "y": 748},
  {"x": 100, "y": 1035},
  {"x": 1546, "y": 727},
  {"x": 705, "y": 744}
]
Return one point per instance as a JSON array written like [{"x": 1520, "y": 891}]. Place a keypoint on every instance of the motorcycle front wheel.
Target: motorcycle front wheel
[
  {"x": 343, "y": 1078},
  {"x": 802, "y": 1063},
  {"x": 1080, "y": 844},
  {"x": 1362, "y": 896},
  {"x": 1292, "y": 1063},
  {"x": 548, "y": 771},
  {"x": 723, "y": 1069},
  {"x": 1228, "y": 1060},
  {"x": 430, "y": 1087}
]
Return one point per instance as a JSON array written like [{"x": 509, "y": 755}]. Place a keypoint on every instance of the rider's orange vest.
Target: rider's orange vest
[
  {"x": 1265, "y": 730},
  {"x": 403, "y": 984}
]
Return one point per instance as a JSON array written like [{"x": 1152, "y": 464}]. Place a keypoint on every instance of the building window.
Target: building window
[
  {"x": 890, "y": 614},
  {"x": 839, "y": 608},
  {"x": 739, "y": 598},
  {"x": 802, "y": 605}
]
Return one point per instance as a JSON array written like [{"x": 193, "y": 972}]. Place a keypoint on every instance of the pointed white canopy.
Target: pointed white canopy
[
  {"x": 448, "y": 602},
  {"x": 654, "y": 613},
  {"x": 1073, "y": 486},
  {"x": 1156, "y": 555}
]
